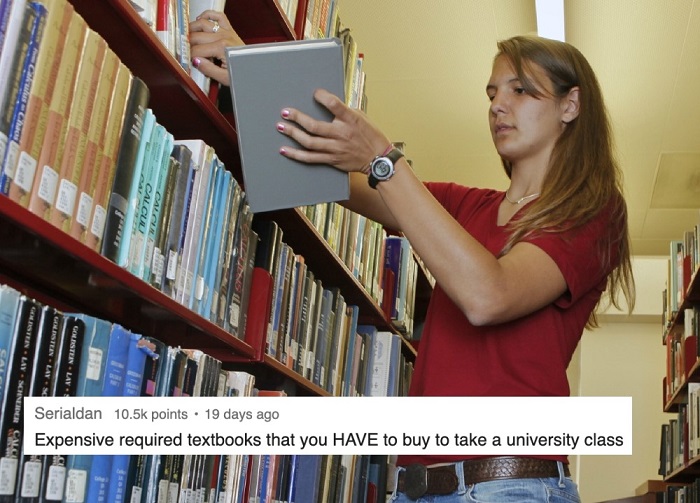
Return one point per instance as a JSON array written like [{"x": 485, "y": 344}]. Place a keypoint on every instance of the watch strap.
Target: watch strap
[{"x": 393, "y": 155}]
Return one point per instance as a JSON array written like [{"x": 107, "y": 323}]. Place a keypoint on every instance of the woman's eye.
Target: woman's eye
[{"x": 520, "y": 90}]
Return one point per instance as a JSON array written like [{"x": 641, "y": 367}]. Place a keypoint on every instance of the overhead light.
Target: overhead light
[{"x": 550, "y": 18}]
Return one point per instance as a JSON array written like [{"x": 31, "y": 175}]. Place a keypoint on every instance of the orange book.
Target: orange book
[
  {"x": 76, "y": 135},
  {"x": 45, "y": 183},
  {"x": 60, "y": 14},
  {"x": 95, "y": 142},
  {"x": 107, "y": 158}
]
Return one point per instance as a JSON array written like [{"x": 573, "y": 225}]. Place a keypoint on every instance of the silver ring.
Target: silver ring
[{"x": 216, "y": 26}]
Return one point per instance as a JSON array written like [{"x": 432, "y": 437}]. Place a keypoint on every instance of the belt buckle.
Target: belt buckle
[{"x": 416, "y": 481}]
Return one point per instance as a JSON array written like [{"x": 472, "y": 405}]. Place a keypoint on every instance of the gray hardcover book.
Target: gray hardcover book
[{"x": 265, "y": 78}]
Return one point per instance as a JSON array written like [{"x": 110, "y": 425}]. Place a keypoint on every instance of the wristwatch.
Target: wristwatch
[{"x": 382, "y": 167}]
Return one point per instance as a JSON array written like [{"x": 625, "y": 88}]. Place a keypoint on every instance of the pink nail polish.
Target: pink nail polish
[
  {"x": 280, "y": 127},
  {"x": 283, "y": 151},
  {"x": 285, "y": 113},
  {"x": 196, "y": 62}
]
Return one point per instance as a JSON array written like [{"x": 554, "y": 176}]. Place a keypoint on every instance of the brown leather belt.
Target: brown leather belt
[{"x": 417, "y": 480}]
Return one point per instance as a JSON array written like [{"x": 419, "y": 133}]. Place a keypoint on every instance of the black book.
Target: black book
[
  {"x": 139, "y": 465},
  {"x": 64, "y": 383},
  {"x": 120, "y": 193},
  {"x": 177, "y": 219},
  {"x": 17, "y": 387},
  {"x": 43, "y": 369}
]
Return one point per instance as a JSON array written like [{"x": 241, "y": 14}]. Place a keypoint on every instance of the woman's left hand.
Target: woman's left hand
[{"x": 210, "y": 34}]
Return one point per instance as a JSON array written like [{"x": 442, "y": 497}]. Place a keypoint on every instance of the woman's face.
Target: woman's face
[{"x": 524, "y": 128}]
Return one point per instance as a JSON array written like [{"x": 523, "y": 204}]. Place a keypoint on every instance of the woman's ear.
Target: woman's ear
[{"x": 570, "y": 105}]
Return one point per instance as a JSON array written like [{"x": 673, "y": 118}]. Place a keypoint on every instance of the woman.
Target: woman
[{"x": 519, "y": 273}]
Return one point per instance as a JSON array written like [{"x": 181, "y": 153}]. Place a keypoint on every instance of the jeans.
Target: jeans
[{"x": 548, "y": 490}]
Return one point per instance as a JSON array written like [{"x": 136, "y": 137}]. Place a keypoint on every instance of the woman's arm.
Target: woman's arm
[{"x": 487, "y": 289}]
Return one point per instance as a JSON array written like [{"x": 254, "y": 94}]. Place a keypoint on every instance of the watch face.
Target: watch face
[{"x": 381, "y": 169}]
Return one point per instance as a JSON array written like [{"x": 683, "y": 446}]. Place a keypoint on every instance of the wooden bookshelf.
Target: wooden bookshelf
[{"x": 38, "y": 258}]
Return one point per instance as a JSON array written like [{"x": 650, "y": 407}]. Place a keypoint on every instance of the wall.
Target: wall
[{"x": 625, "y": 357}]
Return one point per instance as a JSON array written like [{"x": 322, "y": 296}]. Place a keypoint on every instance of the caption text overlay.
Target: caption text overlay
[{"x": 329, "y": 425}]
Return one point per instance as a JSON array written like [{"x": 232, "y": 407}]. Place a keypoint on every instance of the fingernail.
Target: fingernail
[
  {"x": 283, "y": 151},
  {"x": 285, "y": 113},
  {"x": 280, "y": 127},
  {"x": 196, "y": 62}
]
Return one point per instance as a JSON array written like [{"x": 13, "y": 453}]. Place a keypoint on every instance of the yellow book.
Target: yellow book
[
  {"x": 107, "y": 158},
  {"x": 95, "y": 141},
  {"x": 45, "y": 183},
  {"x": 60, "y": 14},
  {"x": 76, "y": 136}
]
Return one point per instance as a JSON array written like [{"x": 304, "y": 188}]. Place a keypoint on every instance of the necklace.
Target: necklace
[{"x": 518, "y": 201}]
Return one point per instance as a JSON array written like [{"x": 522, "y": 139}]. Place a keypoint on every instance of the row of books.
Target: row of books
[
  {"x": 321, "y": 19},
  {"x": 46, "y": 352},
  {"x": 312, "y": 330},
  {"x": 681, "y": 352},
  {"x": 169, "y": 20},
  {"x": 684, "y": 260},
  {"x": 686, "y": 493},
  {"x": 95, "y": 162},
  {"x": 680, "y": 436},
  {"x": 384, "y": 264}
]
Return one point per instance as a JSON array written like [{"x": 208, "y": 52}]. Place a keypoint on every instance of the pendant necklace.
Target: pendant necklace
[{"x": 524, "y": 198}]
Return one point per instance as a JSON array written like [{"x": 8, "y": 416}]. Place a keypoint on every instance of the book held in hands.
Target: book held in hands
[{"x": 265, "y": 78}]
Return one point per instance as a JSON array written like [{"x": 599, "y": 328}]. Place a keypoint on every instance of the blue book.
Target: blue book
[
  {"x": 93, "y": 357},
  {"x": 131, "y": 197},
  {"x": 9, "y": 301},
  {"x": 278, "y": 290},
  {"x": 212, "y": 244},
  {"x": 307, "y": 479},
  {"x": 114, "y": 378},
  {"x": 139, "y": 350},
  {"x": 203, "y": 233},
  {"x": 158, "y": 201},
  {"x": 231, "y": 204},
  {"x": 9, "y": 159},
  {"x": 145, "y": 194}
]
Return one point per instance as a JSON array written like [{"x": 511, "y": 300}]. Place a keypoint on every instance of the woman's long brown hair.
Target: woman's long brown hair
[{"x": 583, "y": 177}]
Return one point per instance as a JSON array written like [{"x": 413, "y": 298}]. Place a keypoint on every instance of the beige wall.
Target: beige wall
[{"x": 625, "y": 357}]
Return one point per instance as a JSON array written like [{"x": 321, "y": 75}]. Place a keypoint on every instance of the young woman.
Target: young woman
[{"x": 519, "y": 273}]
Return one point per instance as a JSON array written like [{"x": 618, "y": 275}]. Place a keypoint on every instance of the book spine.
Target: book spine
[
  {"x": 15, "y": 102},
  {"x": 120, "y": 194},
  {"x": 45, "y": 185},
  {"x": 107, "y": 159},
  {"x": 71, "y": 166},
  {"x": 43, "y": 368},
  {"x": 64, "y": 383},
  {"x": 19, "y": 373},
  {"x": 53, "y": 43},
  {"x": 106, "y": 77}
]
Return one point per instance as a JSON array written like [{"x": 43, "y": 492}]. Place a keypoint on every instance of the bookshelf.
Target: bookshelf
[
  {"x": 45, "y": 263},
  {"x": 680, "y": 447},
  {"x": 39, "y": 259}
]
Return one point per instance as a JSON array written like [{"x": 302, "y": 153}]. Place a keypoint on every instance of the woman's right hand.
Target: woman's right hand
[
  {"x": 210, "y": 34},
  {"x": 349, "y": 142}
]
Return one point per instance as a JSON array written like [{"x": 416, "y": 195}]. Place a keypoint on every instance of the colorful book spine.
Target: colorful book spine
[
  {"x": 19, "y": 375},
  {"x": 115, "y": 241},
  {"x": 16, "y": 102}
]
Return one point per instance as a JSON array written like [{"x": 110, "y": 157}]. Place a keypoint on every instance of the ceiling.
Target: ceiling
[{"x": 427, "y": 64}]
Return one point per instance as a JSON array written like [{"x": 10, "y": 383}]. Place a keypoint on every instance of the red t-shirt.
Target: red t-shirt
[{"x": 523, "y": 357}]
